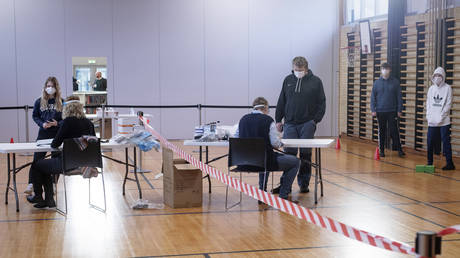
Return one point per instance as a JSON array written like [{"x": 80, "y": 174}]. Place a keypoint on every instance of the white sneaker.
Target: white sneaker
[{"x": 29, "y": 189}]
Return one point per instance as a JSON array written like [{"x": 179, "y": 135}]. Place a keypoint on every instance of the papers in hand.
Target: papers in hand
[{"x": 44, "y": 142}]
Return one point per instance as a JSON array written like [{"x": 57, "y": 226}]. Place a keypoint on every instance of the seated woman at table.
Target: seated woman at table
[
  {"x": 74, "y": 125},
  {"x": 259, "y": 124}
]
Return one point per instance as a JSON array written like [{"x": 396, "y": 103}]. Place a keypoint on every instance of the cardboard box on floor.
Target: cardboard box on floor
[{"x": 182, "y": 182}]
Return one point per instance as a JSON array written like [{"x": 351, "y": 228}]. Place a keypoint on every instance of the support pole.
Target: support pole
[
  {"x": 26, "y": 109},
  {"x": 103, "y": 122},
  {"x": 199, "y": 114},
  {"x": 427, "y": 244}
]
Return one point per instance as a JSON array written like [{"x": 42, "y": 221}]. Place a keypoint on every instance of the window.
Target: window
[
  {"x": 381, "y": 7},
  {"x": 82, "y": 75},
  {"x": 364, "y": 9}
]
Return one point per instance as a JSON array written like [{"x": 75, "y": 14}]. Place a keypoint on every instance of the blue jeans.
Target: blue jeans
[
  {"x": 301, "y": 131},
  {"x": 289, "y": 165},
  {"x": 445, "y": 138}
]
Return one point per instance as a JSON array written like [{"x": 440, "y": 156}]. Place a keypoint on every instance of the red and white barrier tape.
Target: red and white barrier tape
[
  {"x": 449, "y": 230},
  {"x": 294, "y": 209}
]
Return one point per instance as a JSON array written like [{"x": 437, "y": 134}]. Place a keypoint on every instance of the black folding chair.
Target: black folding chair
[
  {"x": 73, "y": 157},
  {"x": 249, "y": 156}
]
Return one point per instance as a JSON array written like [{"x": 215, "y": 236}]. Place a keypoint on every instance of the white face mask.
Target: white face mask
[
  {"x": 385, "y": 73},
  {"x": 299, "y": 74},
  {"x": 50, "y": 90},
  {"x": 437, "y": 80}
]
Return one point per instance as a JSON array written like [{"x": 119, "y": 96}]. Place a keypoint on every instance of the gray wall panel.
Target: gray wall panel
[
  {"x": 226, "y": 58},
  {"x": 181, "y": 63},
  {"x": 168, "y": 52},
  {"x": 40, "y": 50},
  {"x": 8, "y": 97},
  {"x": 136, "y": 41}
]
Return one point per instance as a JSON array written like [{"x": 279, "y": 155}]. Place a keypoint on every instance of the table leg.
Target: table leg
[
  {"x": 320, "y": 171},
  {"x": 135, "y": 174},
  {"x": 9, "y": 177},
  {"x": 207, "y": 160},
  {"x": 127, "y": 169},
  {"x": 316, "y": 176},
  {"x": 14, "y": 183}
]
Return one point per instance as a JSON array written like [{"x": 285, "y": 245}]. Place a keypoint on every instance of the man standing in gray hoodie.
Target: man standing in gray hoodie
[
  {"x": 438, "y": 104},
  {"x": 386, "y": 104}
]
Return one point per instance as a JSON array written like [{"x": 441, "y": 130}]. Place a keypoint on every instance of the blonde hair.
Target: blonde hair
[
  {"x": 73, "y": 109},
  {"x": 258, "y": 102},
  {"x": 300, "y": 62},
  {"x": 57, "y": 96}
]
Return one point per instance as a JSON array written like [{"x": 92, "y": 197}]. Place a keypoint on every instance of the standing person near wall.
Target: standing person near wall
[
  {"x": 100, "y": 84},
  {"x": 302, "y": 105},
  {"x": 47, "y": 113},
  {"x": 386, "y": 104},
  {"x": 438, "y": 104}
]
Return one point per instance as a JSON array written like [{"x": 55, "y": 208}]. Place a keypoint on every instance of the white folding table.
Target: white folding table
[
  {"x": 207, "y": 145},
  {"x": 317, "y": 144},
  {"x": 11, "y": 149}
]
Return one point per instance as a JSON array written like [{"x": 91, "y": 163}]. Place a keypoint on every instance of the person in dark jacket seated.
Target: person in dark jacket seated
[
  {"x": 74, "y": 125},
  {"x": 259, "y": 124}
]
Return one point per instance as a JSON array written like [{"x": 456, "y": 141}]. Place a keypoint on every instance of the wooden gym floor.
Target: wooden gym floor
[{"x": 383, "y": 197}]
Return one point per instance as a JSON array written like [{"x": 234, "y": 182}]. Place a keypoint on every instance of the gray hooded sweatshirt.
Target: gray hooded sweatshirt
[{"x": 439, "y": 102}]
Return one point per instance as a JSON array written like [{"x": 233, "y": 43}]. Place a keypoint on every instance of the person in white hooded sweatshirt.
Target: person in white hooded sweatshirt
[{"x": 438, "y": 104}]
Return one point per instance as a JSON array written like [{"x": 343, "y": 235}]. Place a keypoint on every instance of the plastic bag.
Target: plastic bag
[
  {"x": 145, "y": 204},
  {"x": 143, "y": 139}
]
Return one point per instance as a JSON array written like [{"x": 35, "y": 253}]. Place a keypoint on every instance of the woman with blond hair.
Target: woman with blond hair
[
  {"x": 74, "y": 125},
  {"x": 47, "y": 114}
]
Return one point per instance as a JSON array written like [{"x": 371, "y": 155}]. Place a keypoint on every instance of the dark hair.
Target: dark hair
[{"x": 386, "y": 66}]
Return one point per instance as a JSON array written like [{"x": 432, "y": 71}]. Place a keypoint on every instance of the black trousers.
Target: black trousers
[
  {"x": 42, "y": 176},
  {"x": 42, "y": 134},
  {"x": 434, "y": 137},
  {"x": 388, "y": 119}
]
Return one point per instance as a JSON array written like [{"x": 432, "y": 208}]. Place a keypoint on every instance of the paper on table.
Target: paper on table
[{"x": 44, "y": 142}]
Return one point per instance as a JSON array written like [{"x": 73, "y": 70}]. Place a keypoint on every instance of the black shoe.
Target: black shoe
[
  {"x": 45, "y": 204},
  {"x": 276, "y": 190},
  {"x": 290, "y": 199},
  {"x": 449, "y": 167},
  {"x": 401, "y": 154},
  {"x": 304, "y": 190},
  {"x": 34, "y": 198}
]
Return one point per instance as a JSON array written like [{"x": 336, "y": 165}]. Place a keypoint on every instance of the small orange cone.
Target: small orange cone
[
  {"x": 11, "y": 141},
  {"x": 377, "y": 154},
  {"x": 337, "y": 144}
]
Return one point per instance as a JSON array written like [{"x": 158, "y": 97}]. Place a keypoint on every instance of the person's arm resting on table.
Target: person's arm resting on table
[{"x": 274, "y": 138}]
